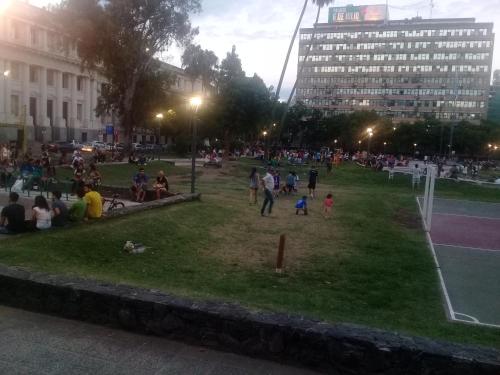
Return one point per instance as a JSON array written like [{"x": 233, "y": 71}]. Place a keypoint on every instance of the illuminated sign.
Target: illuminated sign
[{"x": 351, "y": 13}]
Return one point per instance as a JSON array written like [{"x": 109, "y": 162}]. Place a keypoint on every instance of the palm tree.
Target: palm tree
[
  {"x": 320, "y": 4},
  {"x": 278, "y": 89},
  {"x": 199, "y": 63}
]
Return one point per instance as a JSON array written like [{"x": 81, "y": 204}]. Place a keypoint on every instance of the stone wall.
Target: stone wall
[{"x": 337, "y": 348}]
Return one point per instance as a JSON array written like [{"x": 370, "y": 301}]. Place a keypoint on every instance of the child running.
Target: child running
[
  {"x": 327, "y": 206},
  {"x": 301, "y": 205}
]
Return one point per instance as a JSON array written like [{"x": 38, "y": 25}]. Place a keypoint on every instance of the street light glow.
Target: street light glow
[
  {"x": 6, "y": 73},
  {"x": 369, "y": 130},
  {"x": 274, "y": 125},
  {"x": 415, "y": 145},
  {"x": 264, "y": 133},
  {"x": 159, "y": 116},
  {"x": 335, "y": 141},
  {"x": 195, "y": 101},
  {"x": 489, "y": 145},
  {"x": 4, "y": 4}
]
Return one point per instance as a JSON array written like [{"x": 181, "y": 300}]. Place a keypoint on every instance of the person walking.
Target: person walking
[
  {"x": 254, "y": 179},
  {"x": 313, "y": 179},
  {"x": 268, "y": 184}
]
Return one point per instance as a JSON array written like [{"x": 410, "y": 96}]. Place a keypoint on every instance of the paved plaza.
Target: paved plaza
[{"x": 39, "y": 344}]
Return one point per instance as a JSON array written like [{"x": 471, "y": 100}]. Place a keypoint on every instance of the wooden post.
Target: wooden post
[{"x": 281, "y": 253}]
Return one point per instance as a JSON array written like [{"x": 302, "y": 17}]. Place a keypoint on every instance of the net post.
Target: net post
[
  {"x": 426, "y": 194},
  {"x": 431, "y": 199}
]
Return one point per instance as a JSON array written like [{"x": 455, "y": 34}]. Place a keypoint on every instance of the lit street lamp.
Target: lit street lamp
[
  {"x": 385, "y": 144},
  {"x": 159, "y": 117},
  {"x": 415, "y": 149},
  {"x": 370, "y": 134},
  {"x": 194, "y": 103}
]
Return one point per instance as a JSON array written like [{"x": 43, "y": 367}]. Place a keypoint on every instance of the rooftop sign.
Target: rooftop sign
[{"x": 361, "y": 13}]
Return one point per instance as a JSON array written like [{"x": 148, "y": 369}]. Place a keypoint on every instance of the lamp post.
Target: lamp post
[
  {"x": 415, "y": 150},
  {"x": 264, "y": 134},
  {"x": 385, "y": 144},
  {"x": 159, "y": 117},
  {"x": 194, "y": 103},
  {"x": 370, "y": 134}
]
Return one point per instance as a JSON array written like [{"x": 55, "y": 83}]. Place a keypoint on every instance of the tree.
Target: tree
[
  {"x": 290, "y": 47},
  {"x": 320, "y": 4},
  {"x": 199, "y": 63},
  {"x": 120, "y": 39}
]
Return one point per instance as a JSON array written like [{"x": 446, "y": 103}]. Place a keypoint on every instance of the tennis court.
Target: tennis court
[{"x": 465, "y": 238}]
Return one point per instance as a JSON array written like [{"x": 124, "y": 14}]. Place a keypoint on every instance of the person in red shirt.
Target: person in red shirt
[{"x": 327, "y": 206}]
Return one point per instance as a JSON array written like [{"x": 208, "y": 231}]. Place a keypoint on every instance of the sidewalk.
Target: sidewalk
[{"x": 39, "y": 344}]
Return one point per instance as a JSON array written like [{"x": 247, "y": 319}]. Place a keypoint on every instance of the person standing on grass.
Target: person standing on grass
[
  {"x": 277, "y": 183},
  {"x": 42, "y": 217},
  {"x": 60, "y": 214},
  {"x": 94, "y": 202},
  {"x": 301, "y": 205},
  {"x": 12, "y": 216},
  {"x": 79, "y": 208},
  {"x": 313, "y": 179},
  {"x": 268, "y": 184},
  {"x": 290, "y": 183},
  {"x": 327, "y": 206},
  {"x": 254, "y": 179}
]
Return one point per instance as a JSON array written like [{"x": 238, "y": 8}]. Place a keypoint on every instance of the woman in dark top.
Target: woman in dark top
[{"x": 161, "y": 184}]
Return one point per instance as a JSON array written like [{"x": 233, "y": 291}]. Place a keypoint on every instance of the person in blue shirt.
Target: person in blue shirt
[
  {"x": 301, "y": 205},
  {"x": 140, "y": 184}
]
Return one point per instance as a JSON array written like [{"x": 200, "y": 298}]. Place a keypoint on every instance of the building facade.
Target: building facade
[
  {"x": 43, "y": 90},
  {"x": 494, "y": 105},
  {"x": 407, "y": 70}
]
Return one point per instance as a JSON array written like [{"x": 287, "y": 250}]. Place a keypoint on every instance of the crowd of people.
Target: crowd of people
[{"x": 272, "y": 187}]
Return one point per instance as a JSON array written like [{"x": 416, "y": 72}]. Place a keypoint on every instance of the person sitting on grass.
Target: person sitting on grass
[
  {"x": 161, "y": 184},
  {"x": 60, "y": 213},
  {"x": 94, "y": 202},
  {"x": 140, "y": 183},
  {"x": 42, "y": 217},
  {"x": 301, "y": 205},
  {"x": 12, "y": 216},
  {"x": 79, "y": 208},
  {"x": 94, "y": 176}
]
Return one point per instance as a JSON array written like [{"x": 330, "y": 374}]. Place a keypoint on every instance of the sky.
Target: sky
[{"x": 261, "y": 29}]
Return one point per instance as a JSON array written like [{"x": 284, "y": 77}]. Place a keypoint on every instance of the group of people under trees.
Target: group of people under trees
[{"x": 272, "y": 187}]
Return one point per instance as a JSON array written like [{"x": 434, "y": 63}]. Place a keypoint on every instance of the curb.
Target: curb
[{"x": 295, "y": 340}]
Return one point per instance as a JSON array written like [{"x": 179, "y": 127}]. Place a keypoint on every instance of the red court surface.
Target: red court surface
[{"x": 466, "y": 231}]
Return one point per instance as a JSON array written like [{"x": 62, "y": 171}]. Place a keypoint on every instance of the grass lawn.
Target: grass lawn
[{"x": 368, "y": 264}]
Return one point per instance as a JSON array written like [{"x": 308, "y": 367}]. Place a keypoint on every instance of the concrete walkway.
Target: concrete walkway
[{"x": 39, "y": 344}]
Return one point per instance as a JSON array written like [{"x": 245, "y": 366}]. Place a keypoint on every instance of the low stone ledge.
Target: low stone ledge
[
  {"x": 335, "y": 348},
  {"x": 179, "y": 198}
]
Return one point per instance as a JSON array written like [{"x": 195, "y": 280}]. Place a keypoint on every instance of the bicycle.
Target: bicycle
[{"x": 113, "y": 204}]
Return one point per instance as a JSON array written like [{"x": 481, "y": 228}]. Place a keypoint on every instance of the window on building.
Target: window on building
[
  {"x": 35, "y": 36},
  {"x": 50, "y": 77},
  {"x": 16, "y": 30},
  {"x": 14, "y": 71},
  {"x": 65, "y": 81},
  {"x": 79, "y": 83},
  {"x": 33, "y": 74},
  {"x": 65, "y": 111},
  {"x": 14, "y": 105},
  {"x": 79, "y": 112}
]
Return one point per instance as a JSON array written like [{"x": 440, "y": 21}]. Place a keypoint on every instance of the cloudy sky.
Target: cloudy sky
[{"x": 261, "y": 29}]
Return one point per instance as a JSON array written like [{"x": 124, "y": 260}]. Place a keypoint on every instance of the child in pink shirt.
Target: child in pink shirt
[{"x": 327, "y": 206}]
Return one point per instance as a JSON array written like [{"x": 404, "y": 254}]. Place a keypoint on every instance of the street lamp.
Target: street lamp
[
  {"x": 370, "y": 134},
  {"x": 415, "y": 149},
  {"x": 6, "y": 73},
  {"x": 159, "y": 117},
  {"x": 195, "y": 103}
]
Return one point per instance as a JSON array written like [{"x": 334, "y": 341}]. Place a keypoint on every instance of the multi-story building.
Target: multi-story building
[
  {"x": 494, "y": 105},
  {"x": 407, "y": 69},
  {"x": 43, "y": 89}
]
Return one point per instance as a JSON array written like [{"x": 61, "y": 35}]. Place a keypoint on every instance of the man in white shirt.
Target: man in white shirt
[{"x": 268, "y": 183}]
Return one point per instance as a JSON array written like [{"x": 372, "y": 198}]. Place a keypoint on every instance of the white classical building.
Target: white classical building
[{"x": 42, "y": 86}]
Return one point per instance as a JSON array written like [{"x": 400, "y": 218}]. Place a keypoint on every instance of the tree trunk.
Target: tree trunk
[
  {"x": 278, "y": 88},
  {"x": 285, "y": 113},
  {"x": 128, "y": 102}
]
